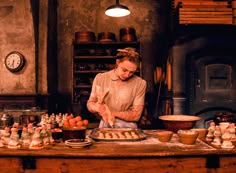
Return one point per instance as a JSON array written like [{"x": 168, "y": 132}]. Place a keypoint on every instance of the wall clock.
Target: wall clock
[{"x": 14, "y": 61}]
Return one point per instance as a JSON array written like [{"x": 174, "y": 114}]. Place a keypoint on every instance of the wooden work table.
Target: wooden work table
[{"x": 148, "y": 155}]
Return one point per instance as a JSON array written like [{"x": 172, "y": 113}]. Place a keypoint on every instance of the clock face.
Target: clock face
[{"x": 14, "y": 61}]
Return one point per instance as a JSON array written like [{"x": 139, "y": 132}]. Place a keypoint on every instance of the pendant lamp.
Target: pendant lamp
[{"x": 117, "y": 10}]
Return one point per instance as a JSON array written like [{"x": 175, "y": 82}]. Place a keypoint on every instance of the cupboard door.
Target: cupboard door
[{"x": 11, "y": 165}]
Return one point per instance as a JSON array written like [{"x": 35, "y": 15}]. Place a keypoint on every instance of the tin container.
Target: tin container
[{"x": 117, "y": 134}]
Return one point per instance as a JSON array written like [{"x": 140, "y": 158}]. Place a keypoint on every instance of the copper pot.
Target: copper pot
[
  {"x": 106, "y": 37},
  {"x": 128, "y": 34},
  {"x": 84, "y": 36}
]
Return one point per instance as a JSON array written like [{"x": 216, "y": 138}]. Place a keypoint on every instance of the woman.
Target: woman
[{"x": 118, "y": 95}]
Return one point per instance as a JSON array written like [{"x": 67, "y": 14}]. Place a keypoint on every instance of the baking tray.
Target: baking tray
[{"x": 117, "y": 134}]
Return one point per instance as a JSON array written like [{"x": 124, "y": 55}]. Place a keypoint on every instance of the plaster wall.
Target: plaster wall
[
  {"x": 89, "y": 15},
  {"x": 17, "y": 34}
]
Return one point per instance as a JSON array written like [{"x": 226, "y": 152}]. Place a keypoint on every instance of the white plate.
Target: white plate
[
  {"x": 76, "y": 143},
  {"x": 79, "y": 146}
]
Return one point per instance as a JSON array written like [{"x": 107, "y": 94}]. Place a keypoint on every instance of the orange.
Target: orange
[
  {"x": 79, "y": 123},
  {"x": 69, "y": 116},
  {"x": 78, "y": 118},
  {"x": 66, "y": 123},
  {"x": 85, "y": 122},
  {"x": 72, "y": 122}
]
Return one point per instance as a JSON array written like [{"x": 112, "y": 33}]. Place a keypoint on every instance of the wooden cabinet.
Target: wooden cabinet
[
  {"x": 90, "y": 59},
  {"x": 183, "y": 164}
]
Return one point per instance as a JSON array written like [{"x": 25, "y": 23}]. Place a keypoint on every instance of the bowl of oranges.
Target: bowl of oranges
[{"x": 74, "y": 128}]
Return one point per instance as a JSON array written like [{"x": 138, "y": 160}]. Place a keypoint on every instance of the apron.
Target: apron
[{"x": 118, "y": 124}]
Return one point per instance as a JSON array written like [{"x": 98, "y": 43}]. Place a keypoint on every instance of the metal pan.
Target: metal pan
[{"x": 117, "y": 134}]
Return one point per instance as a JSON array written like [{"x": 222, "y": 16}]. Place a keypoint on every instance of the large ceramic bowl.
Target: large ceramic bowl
[{"x": 179, "y": 122}]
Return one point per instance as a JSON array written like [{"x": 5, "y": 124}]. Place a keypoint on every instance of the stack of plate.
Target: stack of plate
[{"x": 77, "y": 143}]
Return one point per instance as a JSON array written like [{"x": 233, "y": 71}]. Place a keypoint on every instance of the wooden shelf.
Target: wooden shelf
[
  {"x": 88, "y": 71},
  {"x": 94, "y": 57},
  {"x": 82, "y": 86},
  {"x": 110, "y": 44}
]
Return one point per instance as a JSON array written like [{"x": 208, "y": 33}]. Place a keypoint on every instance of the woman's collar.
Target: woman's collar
[{"x": 114, "y": 76}]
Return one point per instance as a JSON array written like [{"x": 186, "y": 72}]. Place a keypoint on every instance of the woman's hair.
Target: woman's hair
[{"x": 129, "y": 54}]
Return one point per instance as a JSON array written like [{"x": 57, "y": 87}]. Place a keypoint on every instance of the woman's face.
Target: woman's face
[{"x": 125, "y": 69}]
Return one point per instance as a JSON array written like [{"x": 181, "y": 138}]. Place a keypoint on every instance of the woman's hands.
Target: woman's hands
[
  {"x": 96, "y": 105},
  {"x": 103, "y": 110}
]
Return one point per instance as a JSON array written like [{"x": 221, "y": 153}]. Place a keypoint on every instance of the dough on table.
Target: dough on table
[
  {"x": 134, "y": 135},
  {"x": 121, "y": 136},
  {"x": 107, "y": 136},
  {"x": 101, "y": 135},
  {"x": 127, "y": 135},
  {"x": 115, "y": 136}
]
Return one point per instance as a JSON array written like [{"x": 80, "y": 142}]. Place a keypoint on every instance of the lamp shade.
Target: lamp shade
[{"x": 117, "y": 10}]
